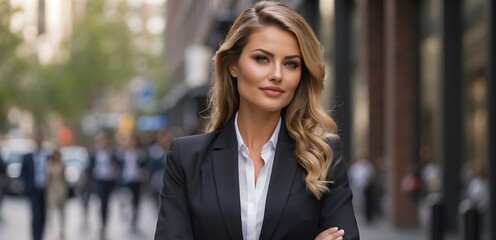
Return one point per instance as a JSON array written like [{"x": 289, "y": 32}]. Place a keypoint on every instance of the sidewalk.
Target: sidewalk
[
  {"x": 381, "y": 229},
  {"x": 16, "y": 221}
]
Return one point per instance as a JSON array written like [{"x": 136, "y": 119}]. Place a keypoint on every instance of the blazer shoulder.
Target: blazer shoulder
[
  {"x": 190, "y": 151},
  {"x": 184, "y": 146},
  {"x": 195, "y": 140}
]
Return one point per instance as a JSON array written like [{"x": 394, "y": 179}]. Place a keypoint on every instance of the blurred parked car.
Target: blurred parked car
[{"x": 76, "y": 159}]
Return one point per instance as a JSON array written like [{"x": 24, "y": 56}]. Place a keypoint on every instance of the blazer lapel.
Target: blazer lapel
[
  {"x": 281, "y": 180},
  {"x": 225, "y": 167}
]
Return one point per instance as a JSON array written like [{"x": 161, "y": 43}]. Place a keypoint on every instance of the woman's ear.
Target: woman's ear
[{"x": 233, "y": 70}]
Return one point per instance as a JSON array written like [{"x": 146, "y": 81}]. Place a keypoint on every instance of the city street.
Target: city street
[{"x": 15, "y": 223}]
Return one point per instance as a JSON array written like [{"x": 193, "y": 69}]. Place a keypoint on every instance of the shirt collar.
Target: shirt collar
[{"x": 272, "y": 141}]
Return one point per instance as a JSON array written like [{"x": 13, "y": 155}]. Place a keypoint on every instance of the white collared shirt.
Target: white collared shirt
[
  {"x": 130, "y": 172},
  {"x": 253, "y": 196},
  {"x": 103, "y": 169}
]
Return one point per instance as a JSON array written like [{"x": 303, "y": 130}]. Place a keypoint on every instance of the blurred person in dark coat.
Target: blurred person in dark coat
[
  {"x": 85, "y": 189},
  {"x": 157, "y": 151},
  {"x": 103, "y": 170},
  {"x": 34, "y": 176},
  {"x": 2, "y": 180},
  {"x": 134, "y": 163},
  {"x": 362, "y": 174}
]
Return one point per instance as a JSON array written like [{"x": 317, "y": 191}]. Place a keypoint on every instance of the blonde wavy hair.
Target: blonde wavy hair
[{"x": 306, "y": 120}]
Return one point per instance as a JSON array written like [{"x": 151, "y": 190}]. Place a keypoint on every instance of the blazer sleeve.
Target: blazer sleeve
[
  {"x": 337, "y": 208},
  {"x": 174, "y": 221}
]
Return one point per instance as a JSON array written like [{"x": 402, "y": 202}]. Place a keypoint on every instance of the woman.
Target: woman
[
  {"x": 57, "y": 188},
  {"x": 270, "y": 167}
]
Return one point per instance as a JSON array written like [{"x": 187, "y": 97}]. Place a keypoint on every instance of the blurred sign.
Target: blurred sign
[
  {"x": 151, "y": 123},
  {"x": 146, "y": 98}
]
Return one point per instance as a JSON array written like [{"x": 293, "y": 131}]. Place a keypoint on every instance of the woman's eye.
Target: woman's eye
[
  {"x": 292, "y": 64},
  {"x": 261, "y": 59}
]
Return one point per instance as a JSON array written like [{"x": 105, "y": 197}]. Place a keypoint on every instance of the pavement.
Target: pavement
[
  {"x": 16, "y": 218},
  {"x": 15, "y": 223},
  {"x": 382, "y": 229}
]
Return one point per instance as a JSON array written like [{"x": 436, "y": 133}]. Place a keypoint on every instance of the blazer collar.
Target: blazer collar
[
  {"x": 283, "y": 173},
  {"x": 225, "y": 166}
]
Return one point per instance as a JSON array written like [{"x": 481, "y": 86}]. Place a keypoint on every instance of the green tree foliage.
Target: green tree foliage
[
  {"x": 12, "y": 68},
  {"x": 101, "y": 56}
]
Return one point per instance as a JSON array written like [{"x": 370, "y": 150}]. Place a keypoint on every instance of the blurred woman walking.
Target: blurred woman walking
[{"x": 56, "y": 189}]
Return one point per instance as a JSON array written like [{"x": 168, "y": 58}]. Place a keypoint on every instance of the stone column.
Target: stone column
[
  {"x": 401, "y": 82},
  {"x": 373, "y": 68}
]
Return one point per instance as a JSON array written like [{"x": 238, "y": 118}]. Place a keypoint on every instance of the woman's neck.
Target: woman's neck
[{"x": 257, "y": 128}]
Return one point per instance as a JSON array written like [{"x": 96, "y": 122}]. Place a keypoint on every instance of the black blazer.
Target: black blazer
[
  {"x": 115, "y": 162},
  {"x": 27, "y": 173},
  {"x": 200, "y": 198}
]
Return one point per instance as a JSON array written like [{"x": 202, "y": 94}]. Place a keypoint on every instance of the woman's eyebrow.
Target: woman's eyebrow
[
  {"x": 272, "y": 55},
  {"x": 292, "y": 56}
]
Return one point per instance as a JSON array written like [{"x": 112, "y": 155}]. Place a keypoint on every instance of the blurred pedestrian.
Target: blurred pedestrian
[
  {"x": 411, "y": 183},
  {"x": 134, "y": 173},
  {"x": 157, "y": 153},
  {"x": 478, "y": 189},
  {"x": 57, "y": 189},
  {"x": 103, "y": 170},
  {"x": 84, "y": 189},
  {"x": 3, "y": 177},
  {"x": 34, "y": 176},
  {"x": 362, "y": 174},
  {"x": 270, "y": 166},
  {"x": 478, "y": 193},
  {"x": 431, "y": 178}
]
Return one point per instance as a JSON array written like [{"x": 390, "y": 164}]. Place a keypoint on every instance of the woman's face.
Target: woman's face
[{"x": 268, "y": 70}]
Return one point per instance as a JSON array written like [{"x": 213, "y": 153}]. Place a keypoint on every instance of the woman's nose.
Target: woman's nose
[{"x": 276, "y": 74}]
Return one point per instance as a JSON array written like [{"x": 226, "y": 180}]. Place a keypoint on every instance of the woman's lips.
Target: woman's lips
[{"x": 272, "y": 91}]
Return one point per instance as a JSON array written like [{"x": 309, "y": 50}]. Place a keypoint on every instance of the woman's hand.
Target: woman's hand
[{"x": 331, "y": 234}]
